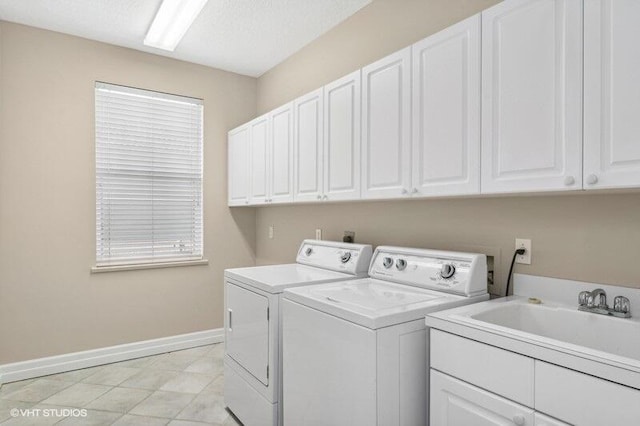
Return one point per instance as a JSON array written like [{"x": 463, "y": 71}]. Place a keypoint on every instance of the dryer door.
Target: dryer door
[{"x": 247, "y": 330}]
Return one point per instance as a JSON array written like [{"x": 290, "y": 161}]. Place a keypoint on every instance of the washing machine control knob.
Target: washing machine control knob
[
  {"x": 345, "y": 257},
  {"x": 387, "y": 262},
  {"x": 447, "y": 270},
  {"x": 401, "y": 264},
  {"x": 308, "y": 251}
]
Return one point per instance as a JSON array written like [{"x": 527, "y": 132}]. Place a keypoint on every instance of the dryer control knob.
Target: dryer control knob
[
  {"x": 387, "y": 262},
  {"x": 401, "y": 264},
  {"x": 447, "y": 270},
  {"x": 308, "y": 251},
  {"x": 345, "y": 257}
]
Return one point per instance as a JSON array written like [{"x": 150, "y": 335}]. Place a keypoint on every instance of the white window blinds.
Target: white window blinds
[{"x": 148, "y": 176}]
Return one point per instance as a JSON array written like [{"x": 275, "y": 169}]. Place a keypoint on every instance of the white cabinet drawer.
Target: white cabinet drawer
[
  {"x": 581, "y": 399},
  {"x": 499, "y": 371},
  {"x": 456, "y": 403},
  {"x": 542, "y": 420}
]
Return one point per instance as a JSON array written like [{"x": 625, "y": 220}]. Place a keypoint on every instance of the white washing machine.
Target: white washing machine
[
  {"x": 253, "y": 344},
  {"x": 355, "y": 352}
]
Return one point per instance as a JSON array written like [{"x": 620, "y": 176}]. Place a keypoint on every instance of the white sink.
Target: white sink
[
  {"x": 610, "y": 335},
  {"x": 555, "y": 331}
]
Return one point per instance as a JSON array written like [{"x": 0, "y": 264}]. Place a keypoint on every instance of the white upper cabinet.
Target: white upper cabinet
[
  {"x": 259, "y": 160},
  {"x": 532, "y": 96},
  {"x": 342, "y": 138},
  {"x": 611, "y": 94},
  {"x": 238, "y": 166},
  {"x": 446, "y": 111},
  {"x": 280, "y": 174},
  {"x": 386, "y": 130},
  {"x": 308, "y": 147}
]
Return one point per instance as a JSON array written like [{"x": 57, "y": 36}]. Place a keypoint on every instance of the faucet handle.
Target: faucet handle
[
  {"x": 583, "y": 298},
  {"x": 621, "y": 304}
]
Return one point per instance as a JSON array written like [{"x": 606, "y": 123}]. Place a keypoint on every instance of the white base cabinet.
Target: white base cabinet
[
  {"x": 456, "y": 403},
  {"x": 482, "y": 385}
]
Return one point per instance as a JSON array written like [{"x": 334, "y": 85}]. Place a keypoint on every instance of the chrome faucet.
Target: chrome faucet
[{"x": 587, "y": 303}]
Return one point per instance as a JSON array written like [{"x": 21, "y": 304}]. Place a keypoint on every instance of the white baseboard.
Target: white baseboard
[{"x": 76, "y": 360}]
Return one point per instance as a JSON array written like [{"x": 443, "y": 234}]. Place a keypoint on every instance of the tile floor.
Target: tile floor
[{"x": 182, "y": 388}]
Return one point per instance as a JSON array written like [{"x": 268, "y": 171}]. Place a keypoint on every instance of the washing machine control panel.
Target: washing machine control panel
[
  {"x": 336, "y": 256},
  {"x": 453, "y": 272}
]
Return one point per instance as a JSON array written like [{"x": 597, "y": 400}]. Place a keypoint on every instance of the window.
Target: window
[{"x": 148, "y": 176}]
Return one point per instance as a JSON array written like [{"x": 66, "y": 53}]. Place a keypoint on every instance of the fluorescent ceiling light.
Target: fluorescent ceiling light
[{"x": 171, "y": 23}]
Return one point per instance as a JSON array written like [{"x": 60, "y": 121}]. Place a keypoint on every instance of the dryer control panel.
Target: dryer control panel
[
  {"x": 348, "y": 258},
  {"x": 452, "y": 272}
]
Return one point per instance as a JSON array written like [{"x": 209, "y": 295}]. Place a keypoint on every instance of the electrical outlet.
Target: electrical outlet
[
  {"x": 349, "y": 237},
  {"x": 271, "y": 232},
  {"x": 526, "y": 257},
  {"x": 318, "y": 234}
]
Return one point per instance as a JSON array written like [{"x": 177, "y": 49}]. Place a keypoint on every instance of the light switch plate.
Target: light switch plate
[{"x": 318, "y": 234}]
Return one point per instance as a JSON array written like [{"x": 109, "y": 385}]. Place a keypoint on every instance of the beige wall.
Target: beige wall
[
  {"x": 49, "y": 302},
  {"x": 376, "y": 30},
  {"x": 584, "y": 237}
]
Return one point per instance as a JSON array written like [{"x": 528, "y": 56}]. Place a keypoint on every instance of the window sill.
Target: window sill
[{"x": 116, "y": 268}]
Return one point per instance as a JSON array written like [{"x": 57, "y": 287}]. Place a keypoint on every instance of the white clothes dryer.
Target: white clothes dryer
[{"x": 253, "y": 361}]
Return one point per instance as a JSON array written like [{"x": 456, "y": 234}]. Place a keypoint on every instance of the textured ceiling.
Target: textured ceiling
[{"x": 244, "y": 36}]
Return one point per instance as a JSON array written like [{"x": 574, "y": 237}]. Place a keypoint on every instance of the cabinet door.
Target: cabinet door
[
  {"x": 456, "y": 403},
  {"x": 307, "y": 178},
  {"x": 281, "y": 155},
  {"x": 611, "y": 94},
  {"x": 342, "y": 138},
  {"x": 238, "y": 164},
  {"x": 247, "y": 330},
  {"x": 446, "y": 111},
  {"x": 259, "y": 164},
  {"x": 568, "y": 395},
  {"x": 532, "y": 96},
  {"x": 386, "y": 138},
  {"x": 542, "y": 420}
]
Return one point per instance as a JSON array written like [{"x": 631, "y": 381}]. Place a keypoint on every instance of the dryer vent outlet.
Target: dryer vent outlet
[{"x": 349, "y": 237}]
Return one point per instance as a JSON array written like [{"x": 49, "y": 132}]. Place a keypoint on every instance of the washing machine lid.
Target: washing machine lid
[
  {"x": 276, "y": 278},
  {"x": 374, "y": 303}
]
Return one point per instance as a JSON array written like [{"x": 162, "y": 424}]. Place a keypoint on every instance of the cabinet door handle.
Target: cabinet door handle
[
  {"x": 230, "y": 319},
  {"x": 319, "y": 197},
  {"x": 569, "y": 180},
  {"x": 415, "y": 190},
  {"x": 404, "y": 191},
  {"x": 592, "y": 179},
  {"x": 325, "y": 198},
  {"x": 519, "y": 420}
]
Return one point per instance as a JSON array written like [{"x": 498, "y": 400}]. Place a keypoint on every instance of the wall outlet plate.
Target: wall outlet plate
[
  {"x": 318, "y": 234},
  {"x": 271, "y": 232},
  {"x": 526, "y": 257},
  {"x": 349, "y": 237}
]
